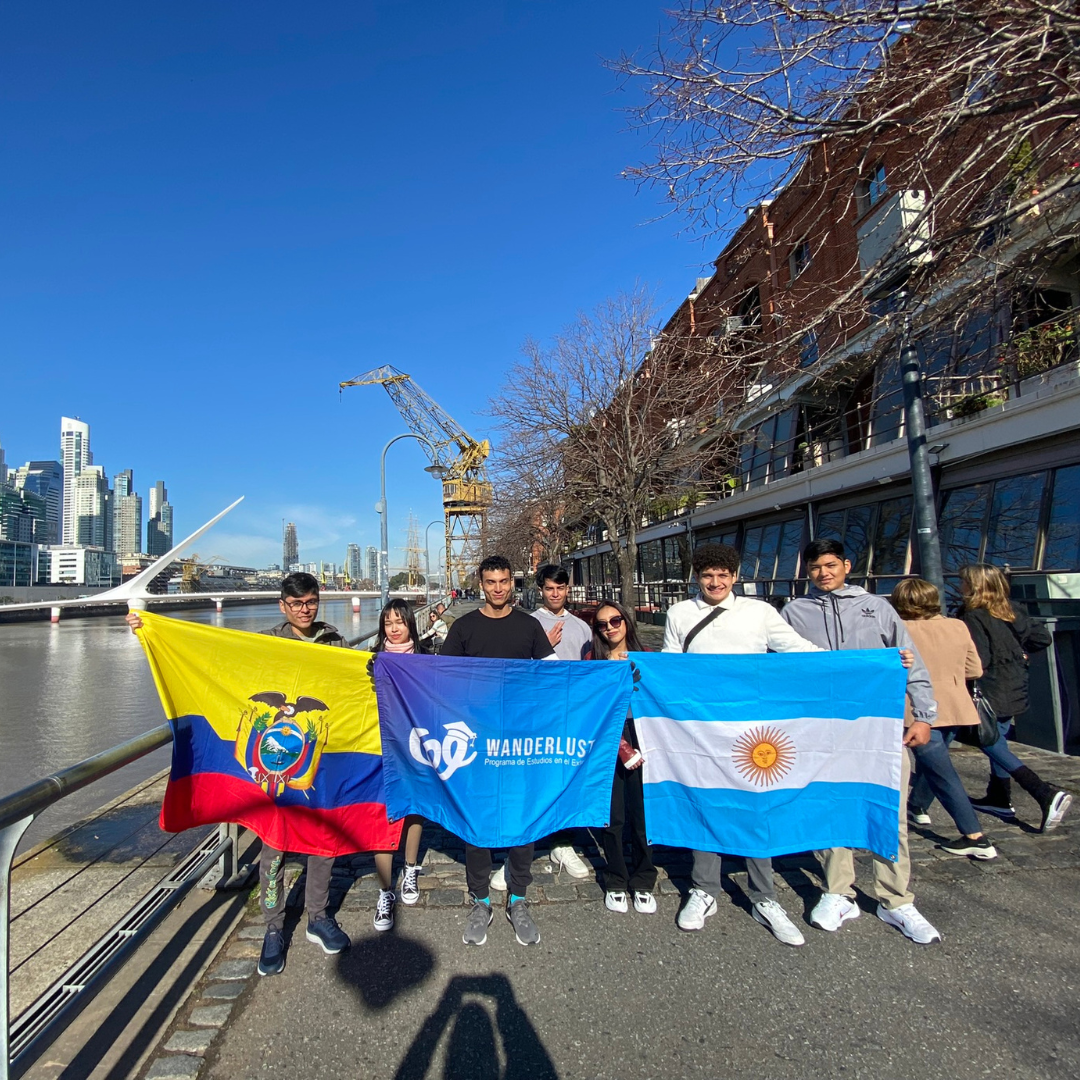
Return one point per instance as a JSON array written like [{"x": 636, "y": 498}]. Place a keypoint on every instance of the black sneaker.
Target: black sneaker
[
  {"x": 328, "y": 934},
  {"x": 988, "y": 805},
  {"x": 917, "y": 815},
  {"x": 977, "y": 849},
  {"x": 272, "y": 957}
]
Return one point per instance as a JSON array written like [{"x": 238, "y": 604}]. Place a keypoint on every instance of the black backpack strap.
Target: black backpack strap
[{"x": 714, "y": 614}]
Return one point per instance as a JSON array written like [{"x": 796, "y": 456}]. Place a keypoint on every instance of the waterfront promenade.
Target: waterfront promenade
[
  {"x": 603, "y": 995},
  {"x": 616, "y": 996}
]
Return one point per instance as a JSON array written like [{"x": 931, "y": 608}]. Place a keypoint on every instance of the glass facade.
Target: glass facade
[
  {"x": 17, "y": 563},
  {"x": 1030, "y": 521}
]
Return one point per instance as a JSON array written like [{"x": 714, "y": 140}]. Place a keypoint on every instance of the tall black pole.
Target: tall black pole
[{"x": 922, "y": 483}]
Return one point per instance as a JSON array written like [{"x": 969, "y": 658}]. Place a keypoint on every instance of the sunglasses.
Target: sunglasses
[{"x": 612, "y": 624}]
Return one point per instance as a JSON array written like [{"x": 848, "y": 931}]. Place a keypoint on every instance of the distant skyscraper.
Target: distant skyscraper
[
  {"x": 290, "y": 551},
  {"x": 45, "y": 478},
  {"x": 159, "y": 522},
  {"x": 127, "y": 515},
  {"x": 354, "y": 562},
  {"x": 372, "y": 558},
  {"x": 90, "y": 509},
  {"x": 75, "y": 455},
  {"x": 3, "y": 469}
]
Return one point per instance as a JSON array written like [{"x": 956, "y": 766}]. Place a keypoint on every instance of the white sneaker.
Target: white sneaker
[
  {"x": 696, "y": 910},
  {"x": 616, "y": 901},
  {"x": 410, "y": 887},
  {"x": 384, "y": 910},
  {"x": 909, "y": 922},
  {"x": 566, "y": 858},
  {"x": 498, "y": 879},
  {"x": 769, "y": 913},
  {"x": 832, "y": 911},
  {"x": 645, "y": 903}
]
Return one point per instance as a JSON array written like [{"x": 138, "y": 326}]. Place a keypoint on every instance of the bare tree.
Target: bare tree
[
  {"x": 619, "y": 415},
  {"x": 973, "y": 103},
  {"x": 745, "y": 89}
]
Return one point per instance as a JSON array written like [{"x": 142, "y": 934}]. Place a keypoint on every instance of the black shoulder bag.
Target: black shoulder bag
[{"x": 714, "y": 614}]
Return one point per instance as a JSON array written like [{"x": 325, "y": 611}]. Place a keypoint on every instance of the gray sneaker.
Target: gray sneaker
[
  {"x": 477, "y": 922},
  {"x": 525, "y": 930}
]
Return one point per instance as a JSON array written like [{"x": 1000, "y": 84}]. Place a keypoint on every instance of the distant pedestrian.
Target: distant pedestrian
[
  {"x": 836, "y": 615},
  {"x": 614, "y": 637},
  {"x": 397, "y": 634},
  {"x": 949, "y": 653},
  {"x": 1004, "y": 637}
]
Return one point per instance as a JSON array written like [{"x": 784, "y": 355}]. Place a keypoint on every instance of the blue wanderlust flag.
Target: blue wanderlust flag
[
  {"x": 500, "y": 752},
  {"x": 770, "y": 754}
]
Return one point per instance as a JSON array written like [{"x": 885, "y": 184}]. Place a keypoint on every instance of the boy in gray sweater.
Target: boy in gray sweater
[{"x": 836, "y": 615}]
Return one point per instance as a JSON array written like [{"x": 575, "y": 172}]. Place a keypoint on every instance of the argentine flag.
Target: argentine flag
[{"x": 774, "y": 753}]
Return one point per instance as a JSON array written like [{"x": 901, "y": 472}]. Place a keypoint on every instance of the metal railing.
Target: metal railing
[
  {"x": 830, "y": 435},
  {"x": 214, "y": 859},
  {"x": 39, "y": 1025}
]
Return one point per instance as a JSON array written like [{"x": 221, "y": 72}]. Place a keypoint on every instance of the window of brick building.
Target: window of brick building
[
  {"x": 871, "y": 189},
  {"x": 799, "y": 259}
]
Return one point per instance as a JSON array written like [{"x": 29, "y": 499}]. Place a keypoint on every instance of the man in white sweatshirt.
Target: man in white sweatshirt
[{"x": 717, "y": 621}]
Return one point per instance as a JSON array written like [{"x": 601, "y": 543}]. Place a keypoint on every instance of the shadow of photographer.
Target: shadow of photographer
[{"x": 480, "y": 1046}]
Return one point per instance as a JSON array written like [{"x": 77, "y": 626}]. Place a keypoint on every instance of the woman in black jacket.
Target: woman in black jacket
[{"x": 1004, "y": 636}]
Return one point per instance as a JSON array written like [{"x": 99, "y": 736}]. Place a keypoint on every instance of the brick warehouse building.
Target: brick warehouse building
[{"x": 805, "y": 291}]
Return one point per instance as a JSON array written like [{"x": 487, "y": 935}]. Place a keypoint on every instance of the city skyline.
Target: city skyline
[{"x": 232, "y": 301}]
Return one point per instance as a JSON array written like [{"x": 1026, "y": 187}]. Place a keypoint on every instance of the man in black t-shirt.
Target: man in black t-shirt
[{"x": 503, "y": 632}]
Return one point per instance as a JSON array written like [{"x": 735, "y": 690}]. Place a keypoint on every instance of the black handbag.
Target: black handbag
[{"x": 986, "y": 732}]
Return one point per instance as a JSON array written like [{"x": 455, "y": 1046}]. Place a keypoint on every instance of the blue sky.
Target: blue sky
[{"x": 215, "y": 212}]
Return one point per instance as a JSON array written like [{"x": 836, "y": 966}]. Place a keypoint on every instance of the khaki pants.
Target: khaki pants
[{"x": 891, "y": 880}]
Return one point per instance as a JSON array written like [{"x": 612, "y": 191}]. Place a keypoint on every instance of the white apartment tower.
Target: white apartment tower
[{"x": 75, "y": 456}]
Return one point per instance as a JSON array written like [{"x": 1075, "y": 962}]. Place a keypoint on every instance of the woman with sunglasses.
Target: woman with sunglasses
[
  {"x": 398, "y": 634},
  {"x": 614, "y": 638}
]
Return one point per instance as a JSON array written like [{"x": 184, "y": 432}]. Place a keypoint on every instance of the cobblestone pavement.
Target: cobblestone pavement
[{"x": 231, "y": 996}]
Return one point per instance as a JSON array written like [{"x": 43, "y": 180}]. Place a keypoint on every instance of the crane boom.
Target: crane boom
[{"x": 466, "y": 490}]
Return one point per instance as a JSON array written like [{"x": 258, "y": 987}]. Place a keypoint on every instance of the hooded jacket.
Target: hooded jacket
[{"x": 852, "y": 618}]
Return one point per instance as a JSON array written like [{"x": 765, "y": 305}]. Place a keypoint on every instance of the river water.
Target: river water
[{"x": 72, "y": 689}]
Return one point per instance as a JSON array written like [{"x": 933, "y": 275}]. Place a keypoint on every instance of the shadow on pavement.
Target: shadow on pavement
[
  {"x": 383, "y": 966},
  {"x": 478, "y": 1043}
]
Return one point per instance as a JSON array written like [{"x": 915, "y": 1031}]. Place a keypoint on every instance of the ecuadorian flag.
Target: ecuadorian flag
[
  {"x": 771, "y": 754},
  {"x": 279, "y": 736}
]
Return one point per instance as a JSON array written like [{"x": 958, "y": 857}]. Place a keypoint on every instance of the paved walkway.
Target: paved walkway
[{"x": 631, "y": 996}]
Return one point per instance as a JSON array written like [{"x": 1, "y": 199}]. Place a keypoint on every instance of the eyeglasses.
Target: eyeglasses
[
  {"x": 301, "y": 605},
  {"x": 612, "y": 624}
]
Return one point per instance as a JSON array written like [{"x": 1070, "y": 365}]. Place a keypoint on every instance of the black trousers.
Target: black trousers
[
  {"x": 478, "y": 869},
  {"x": 627, "y": 805}
]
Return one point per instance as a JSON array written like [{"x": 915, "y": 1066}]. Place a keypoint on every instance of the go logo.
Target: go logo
[{"x": 444, "y": 757}]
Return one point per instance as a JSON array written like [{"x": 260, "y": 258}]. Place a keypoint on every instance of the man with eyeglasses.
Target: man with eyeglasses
[
  {"x": 299, "y": 603},
  {"x": 717, "y": 621}
]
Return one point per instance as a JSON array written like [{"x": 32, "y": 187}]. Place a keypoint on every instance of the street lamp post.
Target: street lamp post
[
  {"x": 427, "y": 556},
  {"x": 435, "y": 470},
  {"x": 922, "y": 482}
]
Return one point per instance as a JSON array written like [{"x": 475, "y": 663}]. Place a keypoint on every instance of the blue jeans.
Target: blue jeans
[
  {"x": 1003, "y": 762},
  {"x": 935, "y": 775}
]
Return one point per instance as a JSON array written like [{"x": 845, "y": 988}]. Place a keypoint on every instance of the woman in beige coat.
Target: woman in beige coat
[{"x": 949, "y": 654}]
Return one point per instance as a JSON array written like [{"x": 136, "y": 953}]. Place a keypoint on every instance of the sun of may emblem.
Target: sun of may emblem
[{"x": 763, "y": 755}]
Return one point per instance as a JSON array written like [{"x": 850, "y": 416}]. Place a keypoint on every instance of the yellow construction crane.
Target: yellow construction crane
[
  {"x": 466, "y": 490},
  {"x": 191, "y": 570}
]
